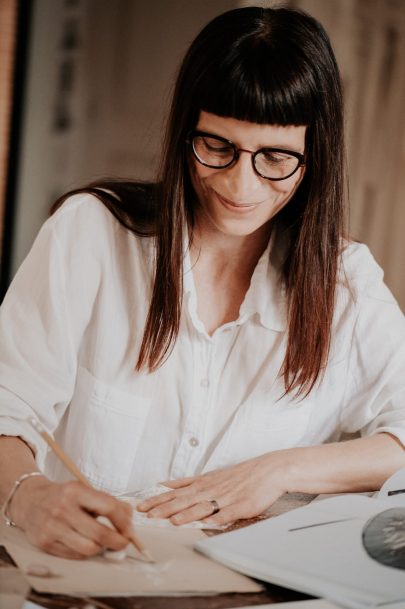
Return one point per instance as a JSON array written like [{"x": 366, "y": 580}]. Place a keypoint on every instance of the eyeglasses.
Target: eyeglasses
[{"x": 218, "y": 153}]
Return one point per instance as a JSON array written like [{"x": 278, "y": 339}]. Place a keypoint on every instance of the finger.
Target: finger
[
  {"x": 196, "y": 512},
  {"x": 183, "y": 483},
  {"x": 229, "y": 514},
  {"x": 81, "y": 544},
  {"x": 120, "y": 517},
  {"x": 154, "y": 501},
  {"x": 101, "y": 533},
  {"x": 71, "y": 542},
  {"x": 57, "y": 548},
  {"x": 176, "y": 505},
  {"x": 119, "y": 513},
  {"x": 179, "y": 483},
  {"x": 150, "y": 503}
]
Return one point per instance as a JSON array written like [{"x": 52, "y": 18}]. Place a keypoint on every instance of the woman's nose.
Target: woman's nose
[{"x": 242, "y": 178}]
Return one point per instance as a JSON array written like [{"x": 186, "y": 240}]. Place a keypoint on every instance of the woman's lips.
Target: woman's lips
[{"x": 238, "y": 207}]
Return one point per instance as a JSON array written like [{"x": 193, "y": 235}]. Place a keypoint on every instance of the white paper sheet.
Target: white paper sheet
[
  {"x": 326, "y": 560},
  {"x": 179, "y": 570}
]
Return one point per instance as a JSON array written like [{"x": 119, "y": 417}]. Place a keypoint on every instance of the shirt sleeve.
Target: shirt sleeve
[
  {"x": 375, "y": 392},
  {"x": 42, "y": 319}
]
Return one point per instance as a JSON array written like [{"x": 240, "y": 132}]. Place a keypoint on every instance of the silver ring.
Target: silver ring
[{"x": 215, "y": 507}]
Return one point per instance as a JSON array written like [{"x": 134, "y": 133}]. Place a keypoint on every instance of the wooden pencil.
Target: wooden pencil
[{"x": 75, "y": 471}]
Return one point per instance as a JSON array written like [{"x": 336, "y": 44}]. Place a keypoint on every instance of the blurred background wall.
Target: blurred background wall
[{"x": 96, "y": 88}]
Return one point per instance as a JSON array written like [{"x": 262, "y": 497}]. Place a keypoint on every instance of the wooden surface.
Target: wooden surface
[
  {"x": 271, "y": 594},
  {"x": 8, "y": 24}
]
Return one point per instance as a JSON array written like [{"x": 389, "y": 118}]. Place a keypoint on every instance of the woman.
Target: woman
[{"x": 215, "y": 331}]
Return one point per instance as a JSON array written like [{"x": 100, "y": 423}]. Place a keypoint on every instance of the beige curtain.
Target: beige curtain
[{"x": 369, "y": 40}]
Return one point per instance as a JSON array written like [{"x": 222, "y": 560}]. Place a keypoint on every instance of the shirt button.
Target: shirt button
[
  {"x": 204, "y": 383},
  {"x": 193, "y": 442}
]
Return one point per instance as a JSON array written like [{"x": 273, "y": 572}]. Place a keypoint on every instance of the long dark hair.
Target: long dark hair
[{"x": 267, "y": 66}]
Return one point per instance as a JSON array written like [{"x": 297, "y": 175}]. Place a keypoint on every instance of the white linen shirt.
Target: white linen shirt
[{"x": 70, "y": 332}]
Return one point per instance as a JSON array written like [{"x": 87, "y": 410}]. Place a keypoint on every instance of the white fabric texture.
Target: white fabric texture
[{"x": 70, "y": 331}]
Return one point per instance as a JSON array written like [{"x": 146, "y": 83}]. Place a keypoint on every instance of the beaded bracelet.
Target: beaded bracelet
[{"x": 7, "y": 502}]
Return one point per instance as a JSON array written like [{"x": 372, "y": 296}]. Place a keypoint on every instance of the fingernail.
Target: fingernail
[{"x": 176, "y": 519}]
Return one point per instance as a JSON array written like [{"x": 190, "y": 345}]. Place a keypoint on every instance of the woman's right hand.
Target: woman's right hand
[{"x": 61, "y": 519}]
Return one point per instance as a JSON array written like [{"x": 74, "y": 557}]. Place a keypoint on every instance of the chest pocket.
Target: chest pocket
[
  {"x": 103, "y": 431},
  {"x": 260, "y": 427}
]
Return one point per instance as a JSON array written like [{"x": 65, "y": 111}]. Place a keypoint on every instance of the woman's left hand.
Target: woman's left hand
[{"x": 241, "y": 491}]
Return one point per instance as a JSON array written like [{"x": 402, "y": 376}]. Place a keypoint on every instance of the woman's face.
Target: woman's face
[{"x": 235, "y": 200}]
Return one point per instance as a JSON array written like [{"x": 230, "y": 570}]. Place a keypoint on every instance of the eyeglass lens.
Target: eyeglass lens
[{"x": 216, "y": 153}]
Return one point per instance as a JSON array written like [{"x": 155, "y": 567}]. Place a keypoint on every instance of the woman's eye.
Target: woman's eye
[
  {"x": 276, "y": 157},
  {"x": 218, "y": 147}
]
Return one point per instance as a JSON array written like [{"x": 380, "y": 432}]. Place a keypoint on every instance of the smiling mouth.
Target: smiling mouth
[{"x": 229, "y": 203}]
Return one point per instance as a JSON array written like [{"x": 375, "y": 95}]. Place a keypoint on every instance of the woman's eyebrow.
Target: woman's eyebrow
[
  {"x": 212, "y": 132},
  {"x": 287, "y": 148}
]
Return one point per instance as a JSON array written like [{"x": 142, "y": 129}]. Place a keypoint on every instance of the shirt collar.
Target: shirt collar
[{"x": 265, "y": 297}]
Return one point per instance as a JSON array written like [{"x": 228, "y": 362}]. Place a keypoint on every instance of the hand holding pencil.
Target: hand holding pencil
[{"x": 62, "y": 518}]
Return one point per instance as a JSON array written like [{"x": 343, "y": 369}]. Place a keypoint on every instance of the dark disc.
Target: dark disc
[{"x": 384, "y": 537}]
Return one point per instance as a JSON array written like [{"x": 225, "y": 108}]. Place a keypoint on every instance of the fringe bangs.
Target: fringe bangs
[{"x": 255, "y": 87}]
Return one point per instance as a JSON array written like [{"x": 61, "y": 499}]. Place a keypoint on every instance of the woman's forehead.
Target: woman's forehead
[{"x": 246, "y": 133}]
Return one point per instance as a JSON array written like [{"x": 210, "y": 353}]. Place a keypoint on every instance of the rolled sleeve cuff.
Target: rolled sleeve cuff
[
  {"x": 397, "y": 432},
  {"x": 23, "y": 430}
]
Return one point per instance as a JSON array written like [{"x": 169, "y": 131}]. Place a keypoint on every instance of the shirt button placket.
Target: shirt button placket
[{"x": 188, "y": 454}]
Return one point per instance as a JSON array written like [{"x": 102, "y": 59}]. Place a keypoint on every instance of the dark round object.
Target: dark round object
[{"x": 384, "y": 537}]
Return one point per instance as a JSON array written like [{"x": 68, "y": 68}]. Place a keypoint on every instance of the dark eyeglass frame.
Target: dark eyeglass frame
[{"x": 236, "y": 154}]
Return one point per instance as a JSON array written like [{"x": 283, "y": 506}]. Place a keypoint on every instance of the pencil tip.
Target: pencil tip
[{"x": 148, "y": 556}]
